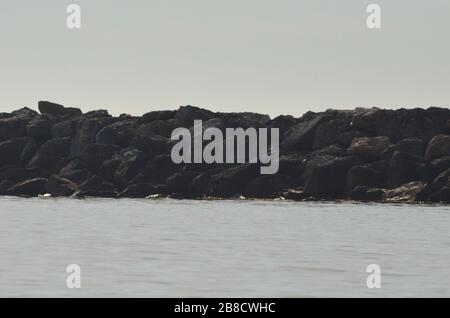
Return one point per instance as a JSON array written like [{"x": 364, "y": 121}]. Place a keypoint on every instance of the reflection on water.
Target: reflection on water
[{"x": 168, "y": 248}]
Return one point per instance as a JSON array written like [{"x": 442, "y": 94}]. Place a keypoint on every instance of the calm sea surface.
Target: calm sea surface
[{"x": 168, "y": 248}]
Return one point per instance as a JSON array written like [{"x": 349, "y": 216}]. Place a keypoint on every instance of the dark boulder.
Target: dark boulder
[
  {"x": 368, "y": 147},
  {"x": 243, "y": 120},
  {"x": 120, "y": 133},
  {"x": 326, "y": 176},
  {"x": 405, "y": 193},
  {"x": 86, "y": 132},
  {"x": 368, "y": 119},
  {"x": 283, "y": 123},
  {"x": 369, "y": 176},
  {"x": 155, "y": 128},
  {"x": 403, "y": 123},
  {"x": 289, "y": 165},
  {"x": 50, "y": 154},
  {"x": 158, "y": 170},
  {"x": 412, "y": 146},
  {"x": 301, "y": 136},
  {"x": 232, "y": 181},
  {"x": 31, "y": 187},
  {"x": 99, "y": 113},
  {"x": 403, "y": 168},
  {"x": 436, "y": 166},
  {"x": 58, "y": 110},
  {"x": 329, "y": 132},
  {"x": 94, "y": 155},
  {"x": 326, "y": 134},
  {"x": 438, "y": 147},
  {"x": 28, "y": 152},
  {"x": 60, "y": 187},
  {"x": 151, "y": 145},
  {"x": 186, "y": 115},
  {"x": 14, "y": 124},
  {"x": 39, "y": 128},
  {"x": 65, "y": 128},
  {"x": 11, "y": 150},
  {"x": 157, "y": 115},
  {"x": 438, "y": 189},
  {"x": 132, "y": 162},
  {"x": 108, "y": 168}
]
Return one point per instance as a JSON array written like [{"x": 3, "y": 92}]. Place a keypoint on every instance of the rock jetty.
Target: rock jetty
[{"x": 362, "y": 154}]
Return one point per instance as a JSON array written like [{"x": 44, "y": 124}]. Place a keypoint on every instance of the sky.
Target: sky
[{"x": 267, "y": 56}]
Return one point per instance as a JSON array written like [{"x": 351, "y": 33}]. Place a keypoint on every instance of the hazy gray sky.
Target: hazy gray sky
[{"x": 275, "y": 57}]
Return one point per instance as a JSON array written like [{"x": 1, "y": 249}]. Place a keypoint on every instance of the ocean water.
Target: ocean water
[{"x": 170, "y": 248}]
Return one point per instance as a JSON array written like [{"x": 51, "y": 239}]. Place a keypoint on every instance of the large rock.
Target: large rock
[
  {"x": 301, "y": 136},
  {"x": 28, "y": 152},
  {"x": 326, "y": 176},
  {"x": 157, "y": 115},
  {"x": 65, "y": 128},
  {"x": 283, "y": 123},
  {"x": 108, "y": 168},
  {"x": 368, "y": 119},
  {"x": 403, "y": 123},
  {"x": 371, "y": 176},
  {"x": 243, "y": 120},
  {"x": 403, "y": 168},
  {"x": 158, "y": 170},
  {"x": 87, "y": 130},
  {"x": 31, "y": 187},
  {"x": 330, "y": 130},
  {"x": 412, "y": 146},
  {"x": 11, "y": 151},
  {"x": 94, "y": 155},
  {"x": 120, "y": 133},
  {"x": 58, "y": 110},
  {"x": 155, "y": 128},
  {"x": 133, "y": 161},
  {"x": 186, "y": 115},
  {"x": 439, "y": 191},
  {"x": 369, "y": 147},
  {"x": 50, "y": 154},
  {"x": 14, "y": 124},
  {"x": 436, "y": 166},
  {"x": 39, "y": 128},
  {"x": 232, "y": 181},
  {"x": 151, "y": 145},
  {"x": 405, "y": 193},
  {"x": 438, "y": 147}
]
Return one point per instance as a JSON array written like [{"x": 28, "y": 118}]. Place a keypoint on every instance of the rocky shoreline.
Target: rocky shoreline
[{"x": 362, "y": 154}]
